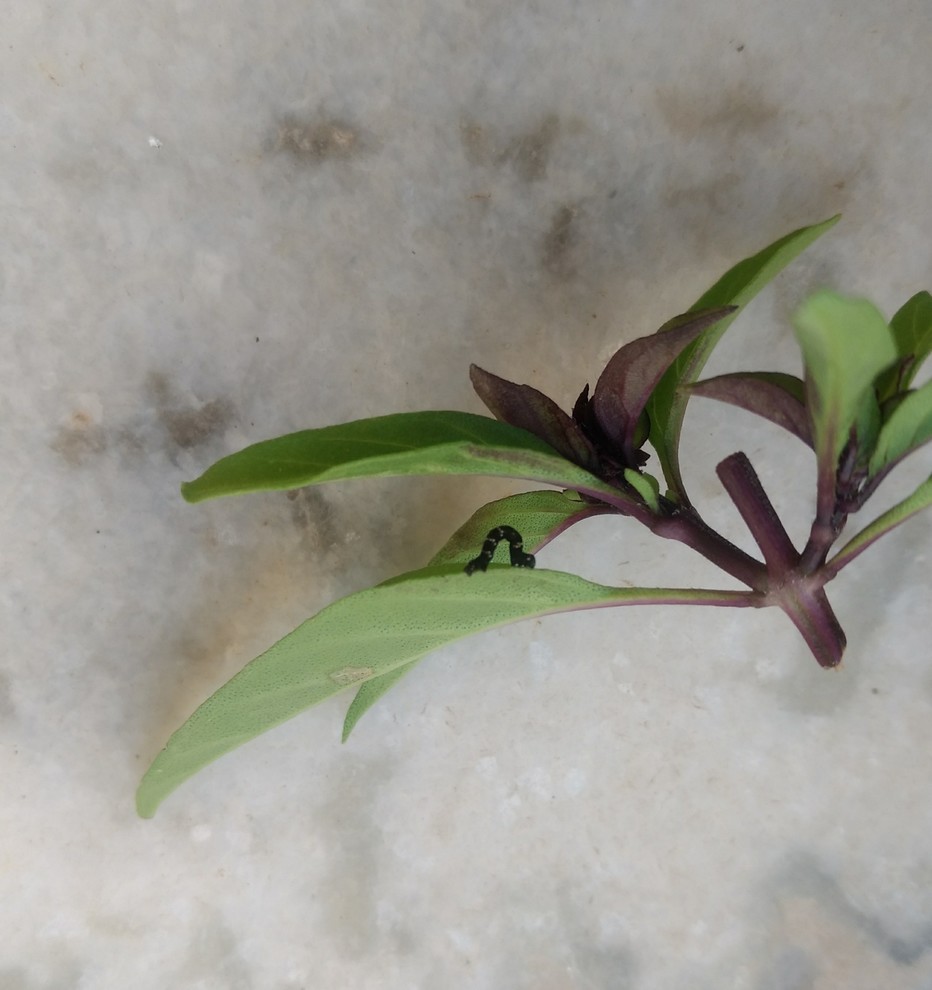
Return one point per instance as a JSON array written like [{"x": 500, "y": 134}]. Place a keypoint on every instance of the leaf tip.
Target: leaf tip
[{"x": 146, "y": 803}]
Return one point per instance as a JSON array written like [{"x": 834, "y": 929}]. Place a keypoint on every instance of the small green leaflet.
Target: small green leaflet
[
  {"x": 912, "y": 331},
  {"x": 907, "y": 429},
  {"x": 846, "y": 344}
]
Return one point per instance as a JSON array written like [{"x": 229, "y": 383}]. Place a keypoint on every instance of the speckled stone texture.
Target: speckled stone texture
[{"x": 226, "y": 222}]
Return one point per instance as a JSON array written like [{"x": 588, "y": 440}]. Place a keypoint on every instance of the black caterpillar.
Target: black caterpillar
[{"x": 515, "y": 543}]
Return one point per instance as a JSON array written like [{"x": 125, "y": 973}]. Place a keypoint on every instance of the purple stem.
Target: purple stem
[
  {"x": 741, "y": 482},
  {"x": 811, "y": 613},
  {"x": 687, "y": 526}
]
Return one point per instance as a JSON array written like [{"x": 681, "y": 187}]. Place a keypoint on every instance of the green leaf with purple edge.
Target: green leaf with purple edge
[
  {"x": 528, "y": 409},
  {"x": 908, "y": 428},
  {"x": 538, "y": 516},
  {"x": 776, "y": 396},
  {"x": 374, "y": 632},
  {"x": 629, "y": 378},
  {"x": 737, "y": 286},
  {"x": 912, "y": 332}
]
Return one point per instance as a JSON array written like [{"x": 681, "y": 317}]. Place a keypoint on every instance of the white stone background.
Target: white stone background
[{"x": 222, "y": 222}]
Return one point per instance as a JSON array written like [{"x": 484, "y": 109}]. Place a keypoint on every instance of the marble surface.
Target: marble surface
[{"x": 225, "y": 222}]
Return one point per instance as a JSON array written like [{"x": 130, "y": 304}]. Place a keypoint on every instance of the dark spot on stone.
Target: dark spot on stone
[
  {"x": 79, "y": 441},
  {"x": 476, "y": 143},
  {"x": 319, "y": 140},
  {"x": 188, "y": 426},
  {"x": 191, "y": 427},
  {"x": 740, "y": 48},
  {"x": 312, "y": 513},
  {"x": 558, "y": 244},
  {"x": 713, "y": 196},
  {"x": 528, "y": 154},
  {"x": 729, "y": 113}
]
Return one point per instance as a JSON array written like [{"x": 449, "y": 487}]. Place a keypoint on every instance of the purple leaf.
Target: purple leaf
[
  {"x": 771, "y": 394},
  {"x": 625, "y": 385},
  {"x": 528, "y": 409},
  {"x": 612, "y": 458}
]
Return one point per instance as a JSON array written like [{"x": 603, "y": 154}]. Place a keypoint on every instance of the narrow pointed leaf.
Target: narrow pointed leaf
[
  {"x": 846, "y": 344},
  {"x": 401, "y": 444},
  {"x": 776, "y": 396},
  {"x": 531, "y": 410},
  {"x": 920, "y": 499},
  {"x": 625, "y": 385},
  {"x": 538, "y": 516},
  {"x": 374, "y": 632},
  {"x": 907, "y": 429},
  {"x": 371, "y": 692},
  {"x": 737, "y": 286},
  {"x": 912, "y": 331}
]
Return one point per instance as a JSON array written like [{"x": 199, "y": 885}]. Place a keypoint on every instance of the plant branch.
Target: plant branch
[
  {"x": 812, "y": 614},
  {"x": 685, "y": 525},
  {"x": 743, "y": 485},
  {"x": 829, "y": 518}
]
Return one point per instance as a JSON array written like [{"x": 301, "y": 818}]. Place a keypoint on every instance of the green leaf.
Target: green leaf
[
  {"x": 920, "y": 499},
  {"x": 646, "y": 485},
  {"x": 736, "y": 287},
  {"x": 538, "y": 516},
  {"x": 867, "y": 427},
  {"x": 846, "y": 343},
  {"x": 907, "y": 429},
  {"x": 374, "y": 632},
  {"x": 400, "y": 444},
  {"x": 912, "y": 332}
]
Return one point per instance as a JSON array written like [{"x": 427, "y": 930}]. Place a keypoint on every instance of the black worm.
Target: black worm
[{"x": 516, "y": 544}]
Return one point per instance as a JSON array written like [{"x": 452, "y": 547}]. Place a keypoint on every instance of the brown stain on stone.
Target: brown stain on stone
[
  {"x": 528, "y": 153},
  {"x": 318, "y": 140},
  {"x": 713, "y": 196},
  {"x": 731, "y": 112},
  {"x": 556, "y": 255},
  {"x": 313, "y": 515},
  {"x": 79, "y": 440},
  {"x": 188, "y": 426},
  {"x": 476, "y": 142},
  {"x": 192, "y": 427}
]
